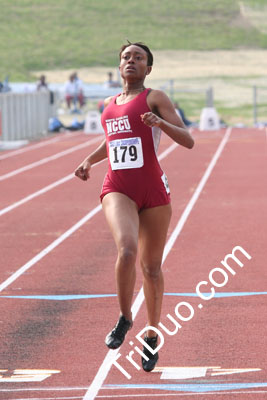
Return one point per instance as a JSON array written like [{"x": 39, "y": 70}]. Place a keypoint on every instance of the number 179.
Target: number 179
[{"x": 132, "y": 153}]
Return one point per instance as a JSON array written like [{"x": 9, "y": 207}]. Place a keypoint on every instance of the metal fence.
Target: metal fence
[
  {"x": 170, "y": 88},
  {"x": 259, "y": 105},
  {"x": 25, "y": 115}
]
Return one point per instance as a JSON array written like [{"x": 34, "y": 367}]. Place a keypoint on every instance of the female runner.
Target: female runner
[{"x": 135, "y": 194}]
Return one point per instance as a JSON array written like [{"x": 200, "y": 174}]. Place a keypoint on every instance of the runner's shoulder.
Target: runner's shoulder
[
  {"x": 107, "y": 101},
  {"x": 156, "y": 97}
]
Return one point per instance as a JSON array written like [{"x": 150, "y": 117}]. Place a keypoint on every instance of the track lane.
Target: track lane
[
  {"x": 42, "y": 148},
  {"x": 18, "y": 187},
  {"x": 214, "y": 326},
  {"x": 36, "y": 226},
  {"x": 36, "y": 144},
  {"x": 66, "y": 280},
  {"x": 227, "y": 332},
  {"x": 111, "y": 355},
  {"x": 40, "y": 177},
  {"x": 59, "y": 182},
  {"x": 34, "y": 229},
  {"x": 42, "y": 161}
]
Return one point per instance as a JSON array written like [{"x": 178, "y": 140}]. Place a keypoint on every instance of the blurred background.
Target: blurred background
[{"x": 207, "y": 52}]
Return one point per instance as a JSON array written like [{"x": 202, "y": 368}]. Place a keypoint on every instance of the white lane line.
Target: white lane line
[
  {"x": 36, "y": 145},
  {"x": 49, "y": 248},
  {"x": 63, "y": 180},
  {"x": 46, "y": 389},
  {"x": 51, "y": 398},
  {"x": 50, "y": 158},
  {"x": 166, "y": 152},
  {"x": 41, "y": 191},
  {"x": 36, "y": 194},
  {"x": 111, "y": 354},
  {"x": 197, "y": 192}
]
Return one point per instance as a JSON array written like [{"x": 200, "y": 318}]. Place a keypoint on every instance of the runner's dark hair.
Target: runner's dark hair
[{"x": 144, "y": 47}]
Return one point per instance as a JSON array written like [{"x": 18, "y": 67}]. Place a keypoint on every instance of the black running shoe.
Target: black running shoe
[
  {"x": 116, "y": 337},
  {"x": 153, "y": 358}
]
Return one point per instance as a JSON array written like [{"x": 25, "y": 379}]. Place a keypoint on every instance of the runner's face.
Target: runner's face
[{"x": 133, "y": 63}]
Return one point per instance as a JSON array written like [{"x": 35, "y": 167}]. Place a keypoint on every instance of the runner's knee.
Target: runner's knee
[
  {"x": 151, "y": 270},
  {"x": 127, "y": 253}
]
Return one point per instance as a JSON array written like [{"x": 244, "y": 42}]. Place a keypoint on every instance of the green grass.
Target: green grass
[
  {"x": 230, "y": 115},
  {"x": 48, "y": 34},
  {"x": 191, "y": 103},
  {"x": 255, "y": 3}
]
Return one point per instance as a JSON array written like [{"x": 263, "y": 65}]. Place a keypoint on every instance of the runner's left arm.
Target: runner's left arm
[{"x": 164, "y": 116}]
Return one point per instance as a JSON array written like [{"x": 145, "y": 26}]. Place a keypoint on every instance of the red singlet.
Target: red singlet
[{"x": 134, "y": 169}]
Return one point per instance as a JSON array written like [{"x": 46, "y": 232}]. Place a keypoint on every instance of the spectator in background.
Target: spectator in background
[
  {"x": 42, "y": 84},
  {"x": 110, "y": 82},
  {"x": 181, "y": 114},
  {"x": 74, "y": 91},
  {"x": 4, "y": 87},
  {"x": 101, "y": 106}
]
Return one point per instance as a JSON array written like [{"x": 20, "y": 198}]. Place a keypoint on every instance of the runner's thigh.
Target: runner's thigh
[
  {"x": 154, "y": 223},
  {"x": 122, "y": 216}
]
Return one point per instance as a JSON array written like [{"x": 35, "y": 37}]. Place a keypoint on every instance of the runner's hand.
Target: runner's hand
[
  {"x": 82, "y": 171},
  {"x": 150, "y": 119}
]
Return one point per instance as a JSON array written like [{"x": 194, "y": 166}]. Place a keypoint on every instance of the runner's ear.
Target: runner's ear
[{"x": 149, "y": 69}]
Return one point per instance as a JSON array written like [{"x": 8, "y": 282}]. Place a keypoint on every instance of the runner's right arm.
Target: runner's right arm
[{"x": 99, "y": 154}]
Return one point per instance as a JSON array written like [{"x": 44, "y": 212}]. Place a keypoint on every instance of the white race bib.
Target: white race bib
[{"x": 126, "y": 153}]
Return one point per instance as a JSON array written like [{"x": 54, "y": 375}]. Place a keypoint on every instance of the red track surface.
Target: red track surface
[{"x": 68, "y": 335}]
